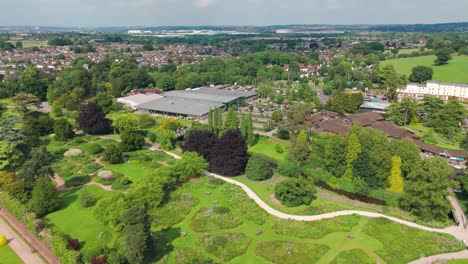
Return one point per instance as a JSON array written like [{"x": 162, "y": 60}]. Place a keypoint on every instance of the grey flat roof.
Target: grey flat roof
[
  {"x": 210, "y": 94},
  {"x": 375, "y": 105},
  {"x": 180, "y": 106}
]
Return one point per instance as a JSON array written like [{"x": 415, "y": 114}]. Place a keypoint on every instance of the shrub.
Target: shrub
[
  {"x": 279, "y": 148},
  {"x": 90, "y": 168},
  {"x": 258, "y": 168},
  {"x": 152, "y": 137},
  {"x": 63, "y": 130},
  {"x": 77, "y": 181},
  {"x": 113, "y": 154},
  {"x": 131, "y": 140},
  {"x": 78, "y": 140},
  {"x": 290, "y": 168},
  {"x": 86, "y": 199},
  {"x": 295, "y": 191},
  {"x": 283, "y": 133},
  {"x": 99, "y": 260},
  {"x": 146, "y": 121},
  {"x": 92, "y": 148},
  {"x": 74, "y": 244}
]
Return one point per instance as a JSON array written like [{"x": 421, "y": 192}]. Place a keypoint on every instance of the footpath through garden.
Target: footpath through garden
[
  {"x": 458, "y": 231},
  {"x": 23, "y": 250}
]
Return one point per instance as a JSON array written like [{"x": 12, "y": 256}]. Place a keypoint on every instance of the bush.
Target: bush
[
  {"x": 78, "y": 140},
  {"x": 113, "y": 154},
  {"x": 290, "y": 169},
  {"x": 279, "y": 148},
  {"x": 86, "y": 199},
  {"x": 74, "y": 244},
  {"x": 283, "y": 133},
  {"x": 90, "y": 168},
  {"x": 295, "y": 191},
  {"x": 152, "y": 137},
  {"x": 146, "y": 121},
  {"x": 92, "y": 148},
  {"x": 258, "y": 168},
  {"x": 226, "y": 246},
  {"x": 63, "y": 130},
  {"x": 77, "y": 181}
]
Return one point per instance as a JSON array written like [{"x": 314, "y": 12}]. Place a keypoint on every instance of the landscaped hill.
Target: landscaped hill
[{"x": 454, "y": 72}]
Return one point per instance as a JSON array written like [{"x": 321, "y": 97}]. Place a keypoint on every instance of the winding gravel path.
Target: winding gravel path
[{"x": 457, "y": 231}]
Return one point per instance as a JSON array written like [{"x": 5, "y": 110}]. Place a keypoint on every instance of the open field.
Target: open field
[
  {"x": 267, "y": 147},
  {"x": 80, "y": 223},
  {"x": 436, "y": 139},
  {"x": 32, "y": 43},
  {"x": 8, "y": 256},
  {"x": 407, "y": 51},
  {"x": 454, "y": 72}
]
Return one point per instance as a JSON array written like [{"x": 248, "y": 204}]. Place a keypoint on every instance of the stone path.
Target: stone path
[
  {"x": 457, "y": 231},
  {"x": 21, "y": 249},
  {"x": 21, "y": 230}
]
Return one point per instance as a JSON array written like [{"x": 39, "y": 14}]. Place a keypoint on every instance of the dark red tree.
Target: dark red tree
[
  {"x": 201, "y": 142},
  {"x": 92, "y": 119},
  {"x": 74, "y": 244},
  {"x": 99, "y": 260},
  {"x": 229, "y": 156}
]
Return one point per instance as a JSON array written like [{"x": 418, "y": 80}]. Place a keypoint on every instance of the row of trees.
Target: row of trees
[{"x": 232, "y": 121}]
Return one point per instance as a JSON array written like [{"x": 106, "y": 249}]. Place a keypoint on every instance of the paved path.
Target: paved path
[
  {"x": 457, "y": 231},
  {"x": 19, "y": 246},
  {"x": 40, "y": 246}
]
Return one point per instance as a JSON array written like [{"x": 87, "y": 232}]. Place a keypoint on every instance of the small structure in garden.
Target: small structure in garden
[
  {"x": 105, "y": 175},
  {"x": 73, "y": 153}
]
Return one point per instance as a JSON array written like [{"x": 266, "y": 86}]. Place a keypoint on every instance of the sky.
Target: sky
[{"x": 228, "y": 12}]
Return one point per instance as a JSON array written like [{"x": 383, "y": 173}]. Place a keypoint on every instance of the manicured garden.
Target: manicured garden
[
  {"x": 8, "y": 256},
  {"x": 227, "y": 226},
  {"x": 453, "y": 72},
  {"x": 269, "y": 148}
]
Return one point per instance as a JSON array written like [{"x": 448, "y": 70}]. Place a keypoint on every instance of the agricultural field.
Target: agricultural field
[
  {"x": 454, "y": 72},
  {"x": 8, "y": 256}
]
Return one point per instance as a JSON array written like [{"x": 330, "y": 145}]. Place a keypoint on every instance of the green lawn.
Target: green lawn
[
  {"x": 271, "y": 240},
  {"x": 454, "y": 72},
  {"x": 8, "y": 256},
  {"x": 32, "y": 43},
  {"x": 267, "y": 147},
  {"x": 80, "y": 223},
  {"x": 407, "y": 51},
  {"x": 436, "y": 139}
]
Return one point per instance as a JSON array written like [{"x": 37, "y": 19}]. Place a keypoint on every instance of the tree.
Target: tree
[
  {"x": 137, "y": 234},
  {"x": 246, "y": 127},
  {"x": 166, "y": 138},
  {"x": 300, "y": 149},
  {"x": 132, "y": 140},
  {"x": 335, "y": 155},
  {"x": 259, "y": 168},
  {"x": 92, "y": 119},
  {"x": 63, "y": 130},
  {"x": 39, "y": 165},
  {"x": 443, "y": 56},
  {"x": 283, "y": 133},
  {"x": 104, "y": 100},
  {"x": 217, "y": 121},
  {"x": 409, "y": 153},
  {"x": 229, "y": 156},
  {"x": 429, "y": 108},
  {"x": 421, "y": 74},
  {"x": 87, "y": 199},
  {"x": 352, "y": 153},
  {"x": 191, "y": 165},
  {"x": 295, "y": 191},
  {"x": 363, "y": 169},
  {"x": 426, "y": 189},
  {"x": 128, "y": 122},
  {"x": 402, "y": 113},
  {"x": 449, "y": 117},
  {"x": 44, "y": 198},
  {"x": 396, "y": 179},
  {"x": 23, "y": 102},
  {"x": 10, "y": 156},
  {"x": 232, "y": 121},
  {"x": 113, "y": 154},
  {"x": 464, "y": 143},
  {"x": 201, "y": 142},
  {"x": 391, "y": 80}
]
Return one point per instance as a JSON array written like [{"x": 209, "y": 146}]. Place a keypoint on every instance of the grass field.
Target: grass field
[
  {"x": 436, "y": 139},
  {"x": 454, "y": 72},
  {"x": 267, "y": 147},
  {"x": 8, "y": 256},
  {"x": 407, "y": 51},
  {"x": 32, "y": 43},
  {"x": 348, "y": 239},
  {"x": 80, "y": 223}
]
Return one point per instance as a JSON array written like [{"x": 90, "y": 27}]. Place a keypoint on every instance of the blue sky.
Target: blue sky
[{"x": 228, "y": 12}]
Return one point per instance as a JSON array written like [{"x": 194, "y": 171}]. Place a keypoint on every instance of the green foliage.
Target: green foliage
[
  {"x": 428, "y": 243},
  {"x": 283, "y": 133},
  {"x": 91, "y": 148},
  {"x": 300, "y": 149},
  {"x": 214, "y": 219},
  {"x": 315, "y": 229},
  {"x": 191, "y": 165},
  {"x": 290, "y": 168},
  {"x": 443, "y": 56},
  {"x": 179, "y": 205},
  {"x": 63, "y": 130},
  {"x": 426, "y": 189},
  {"x": 44, "y": 198},
  {"x": 345, "y": 102},
  {"x": 391, "y": 80},
  {"x": 10, "y": 156},
  {"x": 295, "y": 191},
  {"x": 278, "y": 251},
  {"x": 38, "y": 166},
  {"x": 353, "y": 256},
  {"x": 166, "y": 139},
  {"x": 232, "y": 120},
  {"x": 113, "y": 154},
  {"x": 402, "y": 113},
  {"x": 352, "y": 153},
  {"x": 244, "y": 205},
  {"x": 127, "y": 122},
  {"x": 449, "y": 117},
  {"x": 131, "y": 140},
  {"x": 137, "y": 234},
  {"x": 87, "y": 199},
  {"x": 421, "y": 74},
  {"x": 225, "y": 246},
  {"x": 76, "y": 181},
  {"x": 258, "y": 168}
]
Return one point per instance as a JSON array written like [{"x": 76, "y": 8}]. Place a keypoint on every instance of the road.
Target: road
[
  {"x": 20, "y": 247},
  {"x": 457, "y": 231}
]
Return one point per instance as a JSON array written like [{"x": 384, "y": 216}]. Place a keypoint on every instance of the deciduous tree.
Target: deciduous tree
[
  {"x": 229, "y": 155},
  {"x": 92, "y": 119},
  {"x": 396, "y": 179},
  {"x": 44, "y": 198}
]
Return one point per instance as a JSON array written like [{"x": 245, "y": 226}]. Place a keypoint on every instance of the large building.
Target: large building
[
  {"x": 194, "y": 103},
  {"x": 442, "y": 91}
]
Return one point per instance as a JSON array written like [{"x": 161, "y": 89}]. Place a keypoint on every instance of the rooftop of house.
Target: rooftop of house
[
  {"x": 180, "y": 106},
  {"x": 210, "y": 94}
]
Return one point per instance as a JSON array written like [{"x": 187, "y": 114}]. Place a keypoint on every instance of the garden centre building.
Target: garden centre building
[{"x": 195, "y": 103}]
